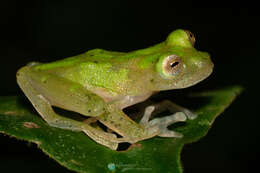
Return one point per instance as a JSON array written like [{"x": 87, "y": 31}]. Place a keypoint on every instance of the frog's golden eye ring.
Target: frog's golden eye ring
[
  {"x": 191, "y": 37},
  {"x": 171, "y": 66}
]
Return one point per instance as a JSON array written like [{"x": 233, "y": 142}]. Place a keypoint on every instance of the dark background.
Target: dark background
[{"x": 48, "y": 31}]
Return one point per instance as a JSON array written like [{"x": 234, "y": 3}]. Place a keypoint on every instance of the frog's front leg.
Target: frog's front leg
[{"x": 133, "y": 132}]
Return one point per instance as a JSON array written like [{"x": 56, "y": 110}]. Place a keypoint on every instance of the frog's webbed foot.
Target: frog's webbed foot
[{"x": 161, "y": 124}]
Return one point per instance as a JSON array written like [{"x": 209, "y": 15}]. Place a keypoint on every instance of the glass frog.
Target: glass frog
[{"x": 99, "y": 84}]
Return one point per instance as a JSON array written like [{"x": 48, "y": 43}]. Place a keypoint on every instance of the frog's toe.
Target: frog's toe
[
  {"x": 147, "y": 114},
  {"x": 168, "y": 120},
  {"x": 189, "y": 114}
]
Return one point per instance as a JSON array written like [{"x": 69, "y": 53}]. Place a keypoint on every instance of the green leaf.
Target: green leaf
[{"x": 78, "y": 152}]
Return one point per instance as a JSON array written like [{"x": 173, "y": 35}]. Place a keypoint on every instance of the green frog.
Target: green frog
[{"x": 99, "y": 84}]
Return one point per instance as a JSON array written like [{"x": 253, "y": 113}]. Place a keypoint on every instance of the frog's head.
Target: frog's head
[{"x": 179, "y": 64}]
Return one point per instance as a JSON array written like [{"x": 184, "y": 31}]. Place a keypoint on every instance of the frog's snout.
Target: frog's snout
[
  {"x": 204, "y": 65},
  {"x": 205, "y": 68},
  {"x": 211, "y": 66},
  {"x": 202, "y": 68}
]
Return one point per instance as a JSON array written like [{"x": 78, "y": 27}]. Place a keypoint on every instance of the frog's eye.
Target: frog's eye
[
  {"x": 191, "y": 37},
  {"x": 172, "y": 65}
]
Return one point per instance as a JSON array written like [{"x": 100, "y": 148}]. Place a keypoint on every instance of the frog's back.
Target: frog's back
[
  {"x": 90, "y": 56},
  {"x": 99, "y": 68},
  {"x": 95, "y": 68}
]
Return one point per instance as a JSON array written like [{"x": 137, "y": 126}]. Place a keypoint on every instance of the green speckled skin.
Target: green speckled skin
[{"x": 101, "y": 83}]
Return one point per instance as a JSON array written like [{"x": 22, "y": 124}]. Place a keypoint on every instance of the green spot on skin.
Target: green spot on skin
[
  {"x": 74, "y": 88},
  {"x": 103, "y": 75},
  {"x": 147, "y": 61},
  {"x": 44, "y": 78}
]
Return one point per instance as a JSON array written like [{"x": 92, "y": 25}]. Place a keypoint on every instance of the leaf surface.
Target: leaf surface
[{"x": 78, "y": 152}]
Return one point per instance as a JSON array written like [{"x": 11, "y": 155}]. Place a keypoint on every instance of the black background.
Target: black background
[{"x": 51, "y": 30}]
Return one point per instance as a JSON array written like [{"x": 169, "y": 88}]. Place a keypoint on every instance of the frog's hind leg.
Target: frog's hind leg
[{"x": 44, "y": 108}]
